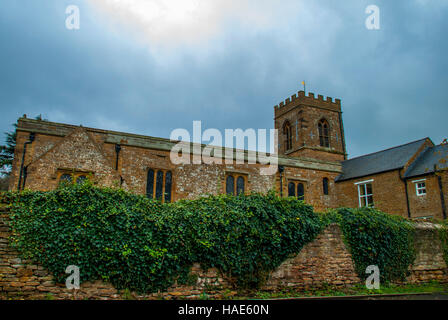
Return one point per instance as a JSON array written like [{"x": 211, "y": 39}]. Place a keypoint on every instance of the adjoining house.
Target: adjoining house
[
  {"x": 312, "y": 164},
  {"x": 410, "y": 180}
]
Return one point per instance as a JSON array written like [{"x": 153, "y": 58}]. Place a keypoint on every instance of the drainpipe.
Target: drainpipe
[
  {"x": 30, "y": 141},
  {"x": 281, "y": 169},
  {"x": 25, "y": 174},
  {"x": 442, "y": 197},
  {"x": 117, "y": 151},
  {"x": 407, "y": 193}
]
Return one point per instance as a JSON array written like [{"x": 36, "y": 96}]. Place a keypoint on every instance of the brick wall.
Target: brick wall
[
  {"x": 428, "y": 205},
  {"x": 388, "y": 193},
  {"x": 444, "y": 178},
  {"x": 323, "y": 262}
]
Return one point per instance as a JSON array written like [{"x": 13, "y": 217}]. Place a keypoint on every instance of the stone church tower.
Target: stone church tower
[{"x": 310, "y": 127}]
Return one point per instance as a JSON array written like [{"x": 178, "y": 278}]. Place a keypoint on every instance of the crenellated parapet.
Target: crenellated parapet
[{"x": 301, "y": 98}]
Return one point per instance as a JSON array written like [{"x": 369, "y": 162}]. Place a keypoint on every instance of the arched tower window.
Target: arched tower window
[
  {"x": 287, "y": 134},
  {"x": 324, "y": 133}
]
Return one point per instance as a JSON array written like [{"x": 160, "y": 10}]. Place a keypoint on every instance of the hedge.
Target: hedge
[{"x": 144, "y": 245}]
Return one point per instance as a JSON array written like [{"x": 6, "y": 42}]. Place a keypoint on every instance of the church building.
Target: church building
[{"x": 409, "y": 180}]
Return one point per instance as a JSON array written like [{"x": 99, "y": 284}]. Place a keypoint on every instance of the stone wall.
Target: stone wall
[
  {"x": 313, "y": 183},
  {"x": 60, "y": 149},
  {"x": 321, "y": 263},
  {"x": 429, "y": 264},
  {"x": 325, "y": 261}
]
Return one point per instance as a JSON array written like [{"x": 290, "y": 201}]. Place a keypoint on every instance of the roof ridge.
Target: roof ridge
[{"x": 402, "y": 145}]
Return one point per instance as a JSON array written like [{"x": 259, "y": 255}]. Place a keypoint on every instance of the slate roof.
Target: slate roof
[
  {"x": 424, "y": 164},
  {"x": 381, "y": 161}
]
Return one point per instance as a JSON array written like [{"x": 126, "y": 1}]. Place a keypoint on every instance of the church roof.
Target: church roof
[
  {"x": 434, "y": 156},
  {"x": 162, "y": 144},
  {"x": 381, "y": 161}
]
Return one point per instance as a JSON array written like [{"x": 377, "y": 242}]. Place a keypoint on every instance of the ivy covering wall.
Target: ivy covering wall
[
  {"x": 144, "y": 245},
  {"x": 377, "y": 238}
]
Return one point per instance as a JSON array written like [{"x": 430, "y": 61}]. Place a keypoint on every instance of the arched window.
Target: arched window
[
  {"x": 72, "y": 176},
  {"x": 230, "y": 185},
  {"x": 81, "y": 179},
  {"x": 240, "y": 186},
  {"x": 150, "y": 184},
  {"x": 159, "y": 185},
  {"x": 65, "y": 179},
  {"x": 168, "y": 184},
  {"x": 300, "y": 191},
  {"x": 296, "y": 189},
  {"x": 287, "y": 134},
  {"x": 235, "y": 184},
  {"x": 291, "y": 189},
  {"x": 325, "y": 186},
  {"x": 324, "y": 133}
]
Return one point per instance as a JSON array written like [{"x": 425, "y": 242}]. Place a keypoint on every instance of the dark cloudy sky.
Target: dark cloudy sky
[{"x": 151, "y": 66}]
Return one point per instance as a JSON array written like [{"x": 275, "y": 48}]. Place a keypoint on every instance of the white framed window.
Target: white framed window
[
  {"x": 420, "y": 187},
  {"x": 365, "y": 194}
]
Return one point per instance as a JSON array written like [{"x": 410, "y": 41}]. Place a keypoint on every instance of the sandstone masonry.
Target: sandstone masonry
[{"x": 324, "y": 262}]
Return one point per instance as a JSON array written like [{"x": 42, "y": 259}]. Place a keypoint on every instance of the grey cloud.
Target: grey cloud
[{"x": 392, "y": 82}]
